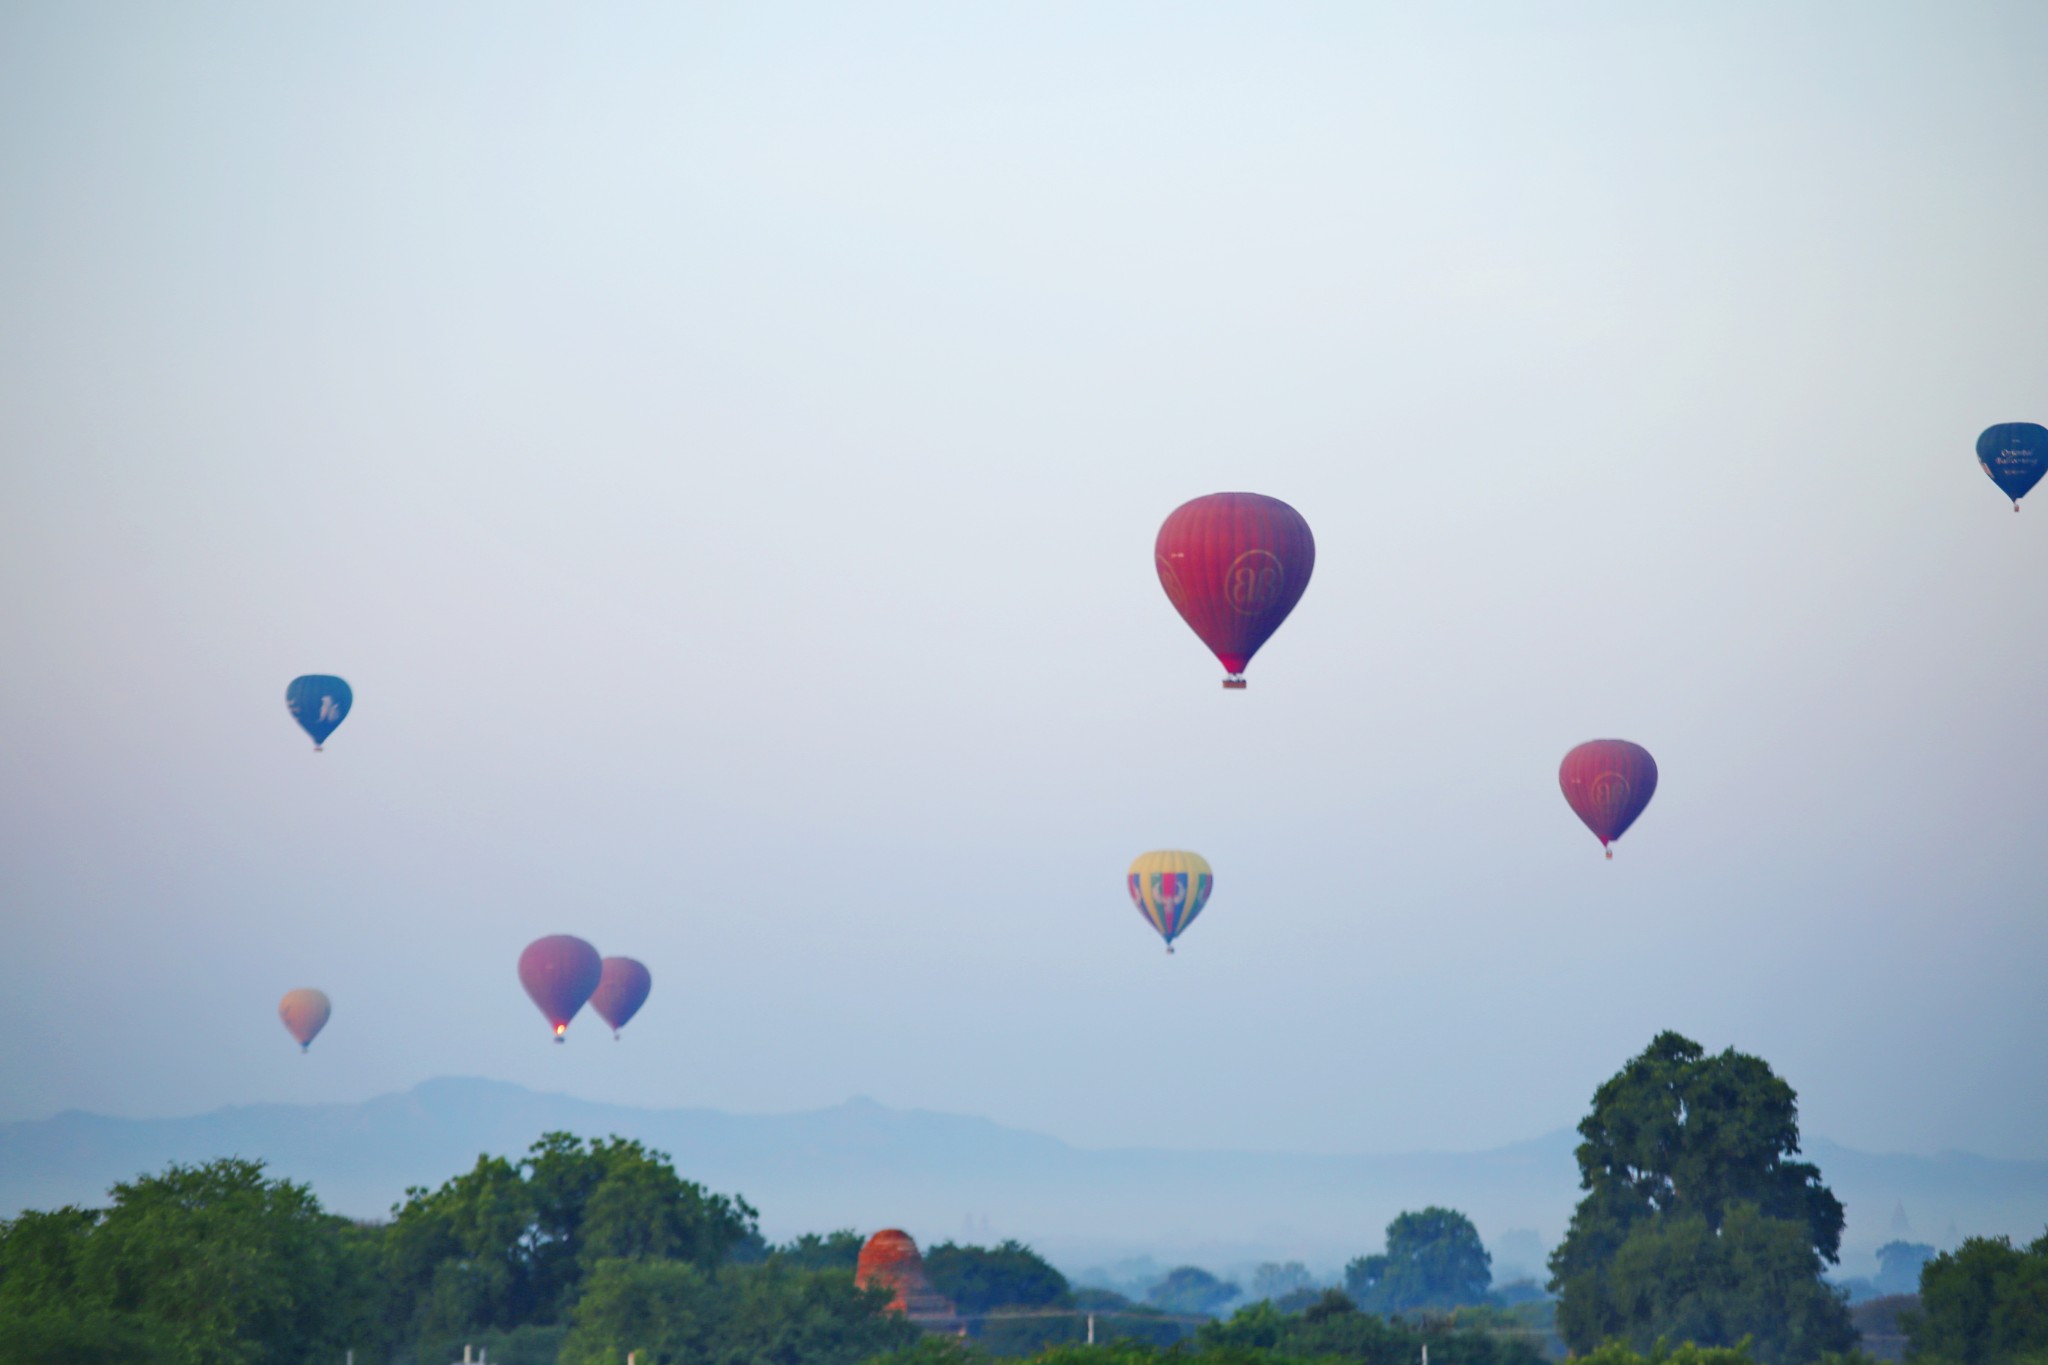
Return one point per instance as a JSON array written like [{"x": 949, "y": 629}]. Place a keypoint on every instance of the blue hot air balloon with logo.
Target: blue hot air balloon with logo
[
  {"x": 318, "y": 702},
  {"x": 2015, "y": 455}
]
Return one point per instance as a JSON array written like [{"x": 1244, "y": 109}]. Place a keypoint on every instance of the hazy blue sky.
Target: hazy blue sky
[{"x": 722, "y": 445}]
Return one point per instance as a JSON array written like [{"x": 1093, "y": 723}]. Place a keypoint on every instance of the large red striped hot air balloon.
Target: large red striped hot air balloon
[
  {"x": 621, "y": 990},
  {"x": 1607, "y": 783},
  {"x": 559, "y": 972},
  {"x": 1234, "y": 565}
]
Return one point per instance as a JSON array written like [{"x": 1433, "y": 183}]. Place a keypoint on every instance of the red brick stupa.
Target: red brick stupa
[{"x": 891, "y": 1259}]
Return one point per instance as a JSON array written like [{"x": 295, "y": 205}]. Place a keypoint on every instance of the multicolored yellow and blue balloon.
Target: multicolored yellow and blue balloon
[{"x": 1170, "y": 887}]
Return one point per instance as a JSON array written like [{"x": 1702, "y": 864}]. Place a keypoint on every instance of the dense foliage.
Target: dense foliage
[
  {"x": 1696, "y": 1225},
  {"x": 834, "y": 1251},
  {"x": 669, "y": 1312},
  {"x": 1434, "y": 1259},
  {"x": 201, "y": 1265},
  {"x": 509, "y": 1244},
  {"x": 978, "y": 1279},
  {"x": 1985, "y": 1303},
  {"x": 1334, "y": 1327}
]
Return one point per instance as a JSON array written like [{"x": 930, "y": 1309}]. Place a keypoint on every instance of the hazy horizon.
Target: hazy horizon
[{"x": 722, "y": 444}]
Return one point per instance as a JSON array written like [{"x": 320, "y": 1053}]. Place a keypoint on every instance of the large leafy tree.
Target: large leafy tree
[
  {"x": 1676, "y": 1142},
  {"x": 506, "y": 1244},
  {"x": 1677, "y": 1279},
  {"x": 201, "y": 1265},
  {"x": 1985, "y": 1303},
  {"x": 1434, "y": 1259},
  {"x": 1011, "y": 1275}
]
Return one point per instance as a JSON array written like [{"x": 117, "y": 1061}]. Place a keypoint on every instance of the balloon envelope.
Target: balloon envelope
[
  {"x": 1234, "y": 565},
  {"x": 622, "y": 989},
  {"x": 559, "y": 972},
  {"x": 1607, "y": 783},
  {"x": 318, "y": 702},
  {"x": 1170, "y": 887},
  {"x": 2015, "y": 455},
  {"x": 304, "y": 1012}
]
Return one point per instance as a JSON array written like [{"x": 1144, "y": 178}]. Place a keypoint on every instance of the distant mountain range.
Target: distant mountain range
[{"x": 863, "y": 1165}]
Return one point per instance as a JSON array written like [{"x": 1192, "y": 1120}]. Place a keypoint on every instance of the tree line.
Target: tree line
[{"x": 1697, "y": 1225}]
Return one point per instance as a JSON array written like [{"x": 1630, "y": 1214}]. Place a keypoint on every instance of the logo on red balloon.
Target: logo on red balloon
[
  {"x": 1609, "y": 795},
  {"x": 1253, "y": 582}
]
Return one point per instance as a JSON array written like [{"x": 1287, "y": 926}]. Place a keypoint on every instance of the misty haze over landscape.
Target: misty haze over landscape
[{"x": 863, "y": 1165}]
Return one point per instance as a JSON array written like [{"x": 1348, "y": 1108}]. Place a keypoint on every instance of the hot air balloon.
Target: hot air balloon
[
  {"x": 318, "y": 703},
  {"x": 559, "y": 972},
  {"x": 1234, "y": 565},
  {"x": 304, "y": 1012},
  {"x": 2015, "y": 455},
  {"x": 621, "y": 990},
  {"x": 1607, "y": 783},
  {"x": 1170, "y": 888}
]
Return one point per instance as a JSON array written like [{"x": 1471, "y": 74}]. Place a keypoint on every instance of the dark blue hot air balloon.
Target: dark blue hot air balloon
[
  {"x": 318, "y": 703},
  {"x": 2015, "y": 455}
]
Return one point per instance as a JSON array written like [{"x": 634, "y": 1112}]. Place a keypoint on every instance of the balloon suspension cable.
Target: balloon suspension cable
[{"x": 1235, "y": 682}]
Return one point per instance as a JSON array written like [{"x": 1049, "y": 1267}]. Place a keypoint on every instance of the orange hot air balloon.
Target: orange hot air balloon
[{"x": 304, "y": 1012}]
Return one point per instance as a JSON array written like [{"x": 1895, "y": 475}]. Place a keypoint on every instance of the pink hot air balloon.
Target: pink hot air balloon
[
  {"x": 1607, "y": 782},
  {"x": 304, "y": 1012},
  {"x": 621, "y": 991},
  {"x": 1234, "y": 565},
  {"x": 559, "y": 972}
]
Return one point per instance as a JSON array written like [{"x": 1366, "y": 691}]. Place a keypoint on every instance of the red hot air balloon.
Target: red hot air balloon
[
  {"x": 1607, "y": 783},
  {"x": 621, "y": 991},
  {"x": 1234, "y": 565},
  {"x": 559, "y": 972}
]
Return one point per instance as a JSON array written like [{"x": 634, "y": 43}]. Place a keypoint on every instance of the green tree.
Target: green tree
[
  {"x": 1190, "y": 1289},
  {"x": 978, "y": 1279},
  {"x": 1675, "y": 1142},
  {"x": 670, "y": 1312},
  {"x": 834, "y": 1251},
  {"x": 1755, "y": 1279},
  {"x": 1334, "y": 1329},
  {"x": 1985, "y": 1303},
  {"x": 47, "y": 1315},
  {"x": 1434, "y": 1259},
  {"x": 506, "y": 1245},
  {"x": 201, "y": 1265}
]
